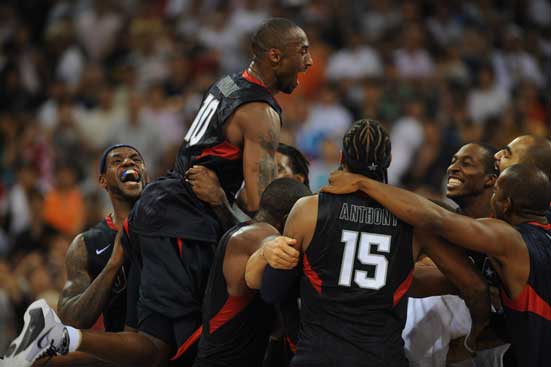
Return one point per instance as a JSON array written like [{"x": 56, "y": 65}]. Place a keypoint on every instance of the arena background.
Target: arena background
[{"x": 78, "y": 75}]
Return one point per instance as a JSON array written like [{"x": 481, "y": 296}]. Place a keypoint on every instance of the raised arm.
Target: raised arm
[
  {"x": 260, "y": 126},
  {"x": 490, "y": 236},
  {"x": 83, "y": 300}
]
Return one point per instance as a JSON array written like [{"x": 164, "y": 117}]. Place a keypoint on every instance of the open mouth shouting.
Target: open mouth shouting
[
  {"x": 131, "y": 178},
  {"x": 453, "y": 182}
]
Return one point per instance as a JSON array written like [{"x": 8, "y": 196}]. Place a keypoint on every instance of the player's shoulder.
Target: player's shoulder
[
  {"x": 253, "y": 231},
  {"x": 307, "y": 203}
]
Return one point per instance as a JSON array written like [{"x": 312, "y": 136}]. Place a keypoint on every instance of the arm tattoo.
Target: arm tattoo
[
  {"x": 83, "y": 299},
  {"x": 267, "y": 165}
]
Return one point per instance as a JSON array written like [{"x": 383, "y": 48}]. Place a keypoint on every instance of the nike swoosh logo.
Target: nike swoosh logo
[
  {"x": 45, "y": 336},
  {"x": 98, "y": 252}
]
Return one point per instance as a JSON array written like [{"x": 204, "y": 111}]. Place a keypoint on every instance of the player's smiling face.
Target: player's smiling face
[
  {"x": 466, "y": 172},
  {"x": 514, "y": 152},
  {"x": 295, "y": 59},
  {"x": 125, "y": 173}
]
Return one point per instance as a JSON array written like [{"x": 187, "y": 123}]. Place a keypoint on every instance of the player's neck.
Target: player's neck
[
  {"x": 475, "y": 206},
  {"x": 121, "y": 209},
  {"x": 263, "y": 217},
  {"x": 263, "y": 75}
]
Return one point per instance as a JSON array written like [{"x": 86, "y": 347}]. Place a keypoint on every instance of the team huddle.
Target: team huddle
[{"x": 231, "y": 260}]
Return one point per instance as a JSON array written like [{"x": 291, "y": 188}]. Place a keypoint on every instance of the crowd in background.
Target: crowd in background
[{"x": 78, "y": 75}]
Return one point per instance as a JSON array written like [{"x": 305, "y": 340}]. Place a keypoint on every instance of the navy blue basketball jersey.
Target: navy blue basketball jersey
[
  {"x": 235, "y": 328},
  {"x": 168, "y": 206},
  {"x": 205, "y": 143},
  {"x": 357, "y": 270},
  {"x": 528, "y": 317},
  {"x": 99, "y": 241}
]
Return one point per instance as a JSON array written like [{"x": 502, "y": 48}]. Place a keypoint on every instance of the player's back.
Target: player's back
[
  {"x": 528, "y": 316},
  {"x": 357, "y": 270},
  {"x": 235, "y": 328}
]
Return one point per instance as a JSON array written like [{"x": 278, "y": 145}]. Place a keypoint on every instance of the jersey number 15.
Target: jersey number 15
[{"x": 367, "y": 240}]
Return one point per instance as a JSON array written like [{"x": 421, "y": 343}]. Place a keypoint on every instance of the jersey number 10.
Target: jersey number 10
[
  {"x": 199, "y": 126},
  {"x": 367, "y": 240}
]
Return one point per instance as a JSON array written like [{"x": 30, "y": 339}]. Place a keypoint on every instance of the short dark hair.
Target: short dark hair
[
  {"x": 103, "y": 159},
  {"x": 366, "y": 149},
  {"x": 271, "y": 34},
  {"x": 528, "y": 187},
  {"x": 539, "y": 154},
  {"x": 280, "y": 196},
  {"x": 299, "y": 163},
  {"x": 490, "y": 164}
]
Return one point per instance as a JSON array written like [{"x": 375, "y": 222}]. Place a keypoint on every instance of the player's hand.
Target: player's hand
[
  {"x": 205, "y": 185},
  {"x": 341, "y": 182},
  {"x": 117, "y": 256},
  {"x": 280, "y": 253}
]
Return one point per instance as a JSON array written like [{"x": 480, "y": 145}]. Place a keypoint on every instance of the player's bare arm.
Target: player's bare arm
[
  {"x": 490, "y": 236},
  {"x": 206, "y": 186},
  {"x": 259, "y": 125},
  {"x": 82, "y": 300},
  {"x": 240, "y": 248},
  {"x": 277, "y": 251}
]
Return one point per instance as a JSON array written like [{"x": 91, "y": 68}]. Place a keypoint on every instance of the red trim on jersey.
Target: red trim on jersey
[
  {"x": 125, "y": 226},
  {"x": 528, "y": 301},
  {"x": 188, "y": 343},
  {"x": 233, "y": 305},
  {"x": 110, "y": 223},
  {"x": 224, "y": 150},
  {"x": 547, "y": 226},
  {"x": 251, "y": 79},
  {"x": 180, "y": 245},
  {"x": 402, "y": 289},
  {"x": 314, "y": 278},
  {"x": 292, "y": 345}
]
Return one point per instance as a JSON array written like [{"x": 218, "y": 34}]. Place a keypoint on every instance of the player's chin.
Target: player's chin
[
  {"x": 132, "y": 191},
  {"x": 288, "y": 89}
]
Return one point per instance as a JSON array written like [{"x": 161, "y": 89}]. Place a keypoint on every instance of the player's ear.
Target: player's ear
[
  {"x": 103, "y": 182},
  {"x": 508, "y": 206},
  {"x": 299, "y": 177},
  {"x": 490, "y": 180},
  {"x": 274, "y": 55},
  {"x": 341, "y": 157}
]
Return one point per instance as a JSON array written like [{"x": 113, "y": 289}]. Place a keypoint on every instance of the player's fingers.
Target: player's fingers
[{"x": 289, "y": 251}]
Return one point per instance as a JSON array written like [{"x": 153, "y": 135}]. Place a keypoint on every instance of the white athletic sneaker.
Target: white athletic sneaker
[{"x": 43, "y": 334}]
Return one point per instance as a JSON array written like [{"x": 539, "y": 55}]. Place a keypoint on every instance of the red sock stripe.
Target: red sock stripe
[
  {"x": 180, "y": 244},
  {"x": 233, "y": 305},
  {"x": 314, "y": 278},
  {"x": 528, "y": 301},
  {"x": 188, "y": 343},
  {"x": 402, "y": 289}
]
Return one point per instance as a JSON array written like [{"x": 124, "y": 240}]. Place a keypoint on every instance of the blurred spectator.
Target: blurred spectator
[
  {"x": 356, "y": 60},
  {"x": 327, "y": 118},
  {"x": 138, "y": 131},
  {"x": 18, "y": 212},
  {"x": 97, "y": 26},
  {"x": 328, "y": 161},
  {"x": 64, "y": 205},
  {"x": 412, "y": 59},
  {"x": 487, "y": 99},
  {"x": 406, "y": 136}
]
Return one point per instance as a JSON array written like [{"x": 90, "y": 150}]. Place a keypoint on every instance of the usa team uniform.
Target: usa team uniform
[
  {"x": 235, "y": 328},
  {"x": 99, "y": 241},
  {"x": 528, "y": 316},
  {"x": 356, "y": 273},
  {"x": 174, "y": 234}
]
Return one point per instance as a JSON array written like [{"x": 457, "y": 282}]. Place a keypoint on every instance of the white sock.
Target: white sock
[{"x": 75, "y": 336}]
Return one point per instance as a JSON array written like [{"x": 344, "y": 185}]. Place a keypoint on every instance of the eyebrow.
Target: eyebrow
[{"x": 508, "y": 149}]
